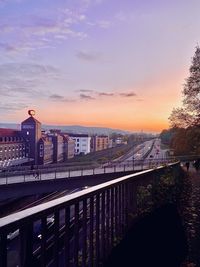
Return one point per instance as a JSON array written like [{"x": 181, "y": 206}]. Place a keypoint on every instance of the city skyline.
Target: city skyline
[{"x": 95, "y": 63}]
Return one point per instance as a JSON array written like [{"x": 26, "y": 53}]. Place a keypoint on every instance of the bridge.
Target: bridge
[
  {"x": 19, "y": 184},
  {"x": 82, "y": 229}
]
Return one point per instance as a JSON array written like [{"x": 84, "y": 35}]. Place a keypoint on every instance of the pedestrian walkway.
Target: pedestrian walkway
[{"x": 190, "y": 208}]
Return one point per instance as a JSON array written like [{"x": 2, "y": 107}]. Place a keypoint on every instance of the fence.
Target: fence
[
  {"x": 49, "y": 174},
  {"x": 75, "y": 230}
]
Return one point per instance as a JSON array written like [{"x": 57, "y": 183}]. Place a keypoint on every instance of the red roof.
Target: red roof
[{"x": 4, "y": 132}]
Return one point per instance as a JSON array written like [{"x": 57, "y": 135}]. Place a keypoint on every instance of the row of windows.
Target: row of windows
[
  {"x": 9, "y": 158},
  {"x": 11, "y": 139},
  {"x": 77, "y": 145},
  {"x": 81, "y": 140},
  {"x": 20, "y": 147}
]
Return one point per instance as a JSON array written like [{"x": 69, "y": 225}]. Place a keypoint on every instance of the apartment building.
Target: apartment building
[
  {"x": 99, "y": 142},
  {"x": 82, "y": 143},
  {"x": 12, "y": 148}
]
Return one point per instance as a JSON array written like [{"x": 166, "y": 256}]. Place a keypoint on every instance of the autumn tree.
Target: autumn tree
[{"x": 189, "y": 113}]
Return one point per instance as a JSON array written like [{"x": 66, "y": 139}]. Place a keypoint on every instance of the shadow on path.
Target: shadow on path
[{"x": 156, "y": 240}]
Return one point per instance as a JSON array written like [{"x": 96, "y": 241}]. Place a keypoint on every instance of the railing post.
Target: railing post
[
  {"x": 108, "y": 235},
  {"x": 3, "y": 249},
  {"x": 112, "y": 216},
  {"x": 93, "y": 170},
  {"x": 84, "y": 229},
  {"x": 43, "y": 241},
  {"x": 124, "y": 167},
  {"x": 69, "y": 174},
  {"x": 103, "y": 236},
  {"x": 91, "y": 236},
  {"x": 67, "y": 237},
  {"x": 116, "y": 222},
  {"x": 26, "y": 246},
  {"x": 97, "y": 230},
  {"x": 56, "y": 239},
  {"x": 76, "y": 235},
  {"x": 55, "y": 174}
]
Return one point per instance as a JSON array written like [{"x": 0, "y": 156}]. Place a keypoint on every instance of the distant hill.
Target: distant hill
[
  {"x": 10, "y": 126},
  {"x": 85, "y": 130},
  {"x": 72, "y": 129}
]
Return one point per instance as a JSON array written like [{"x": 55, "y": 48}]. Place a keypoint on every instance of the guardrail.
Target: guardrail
[
  {"x": 48, "y": 174},
  {"x": 83, "y": 227}
]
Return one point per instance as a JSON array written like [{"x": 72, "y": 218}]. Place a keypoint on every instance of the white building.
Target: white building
[{"x": 82, "y": 143}]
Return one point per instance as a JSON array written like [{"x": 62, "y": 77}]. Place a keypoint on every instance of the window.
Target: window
[
  {"x": 41, "y": 146},
  {"x": 78, "y": 145},
  {"x": 77, "y": 139}
]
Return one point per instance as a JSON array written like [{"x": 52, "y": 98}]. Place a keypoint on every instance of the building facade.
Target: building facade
[
  {"x": 58, "y": 147},
  {"x": 99, "y": 142},
  {"x": 12, "y": 148},
  {"x": 82, "y": 143},
  {"x": 33, "y": 146},
  {"x": 45, "y": 151},
  {"x": 31, "y": 132},
  {"x": 69, "y": 147}
]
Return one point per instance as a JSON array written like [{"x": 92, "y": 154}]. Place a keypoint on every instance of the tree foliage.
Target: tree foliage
[
  {"x": 167, "y": 135},
  {"x": 182, "y": 141},
  {"x": 189, "y": 113}
]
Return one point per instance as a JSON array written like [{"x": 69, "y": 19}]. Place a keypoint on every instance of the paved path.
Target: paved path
[{"x": 191, "y": 217}]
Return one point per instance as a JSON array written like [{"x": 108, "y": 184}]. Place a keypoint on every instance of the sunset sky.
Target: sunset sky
[{"x": 111, "y": 63}]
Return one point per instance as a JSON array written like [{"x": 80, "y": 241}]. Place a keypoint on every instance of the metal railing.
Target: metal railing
[
  {"x": 75, "y": 230},
  {"x": 49, "y": 174}
]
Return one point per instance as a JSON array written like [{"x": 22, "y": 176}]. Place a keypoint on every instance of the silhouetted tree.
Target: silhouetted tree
[{"x": 189, "y": 113}]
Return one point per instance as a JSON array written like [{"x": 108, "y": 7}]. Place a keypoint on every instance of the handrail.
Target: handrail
[
  {"x": 30, "y": 212},
  {"x": 101, "y": 215}
]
